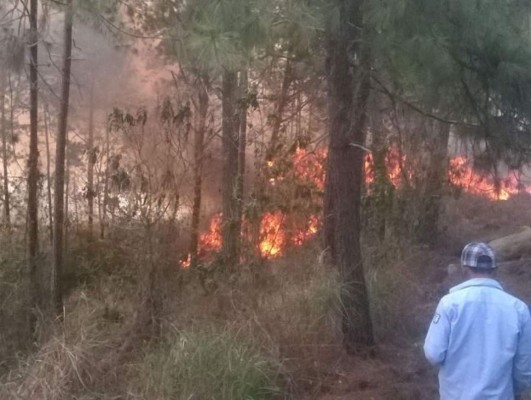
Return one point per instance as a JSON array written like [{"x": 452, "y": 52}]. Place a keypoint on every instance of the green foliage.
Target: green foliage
[
  {"x": 102, "y": 15},
  {"x": 214, "y": 35},
  {"x": 214, "y": 365},
  {"x": 465, "y": 60}
]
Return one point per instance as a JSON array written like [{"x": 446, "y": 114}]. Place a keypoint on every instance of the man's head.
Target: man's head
[{"x": 478, "y": 258}]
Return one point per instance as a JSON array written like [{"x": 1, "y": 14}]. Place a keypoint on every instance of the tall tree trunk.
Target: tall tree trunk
[
  {"x": 4, "y": 146},
  {"x": 242, "y": 145},
  {"x": 57, "y": 290},
  {"x": 103, "y": 217},
  {"x": 348, "y": 91},
  {"x": 437, "y": 135},
  {"x": 7, "y": 196},
  {"x": 230, "y": 140},
  {"x": 33, "y": 172},
  {"x": 199, "y": 153},
  {"x": 279, "y": 111},
  {"x": 48, "y": 172},
  {"x": 263, "y": 174},
  {"x": 66, "y": 197},
  {"x": 90, "y": 167}
]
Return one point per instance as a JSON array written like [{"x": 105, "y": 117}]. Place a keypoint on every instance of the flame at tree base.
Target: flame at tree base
[
  {"x": 461, "y": 174},
  {"x": 274, "y": 238},
  {"x": 308, "y": 168}
]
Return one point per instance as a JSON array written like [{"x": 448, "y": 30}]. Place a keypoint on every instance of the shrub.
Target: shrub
[{"x": 199, "y": 365}]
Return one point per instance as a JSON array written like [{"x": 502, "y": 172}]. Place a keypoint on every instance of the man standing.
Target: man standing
[{"x": 480, "y": 336}]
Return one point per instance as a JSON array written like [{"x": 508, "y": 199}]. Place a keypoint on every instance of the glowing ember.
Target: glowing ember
[
  {"x": 185, "y": 264},
  {"x": 313, "y": 225}
]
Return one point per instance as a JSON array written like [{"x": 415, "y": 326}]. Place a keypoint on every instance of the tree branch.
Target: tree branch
[{"x": 395, "y": 97}]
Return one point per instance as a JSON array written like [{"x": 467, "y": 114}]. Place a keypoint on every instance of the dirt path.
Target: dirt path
[{"x": 399, "y": 371}]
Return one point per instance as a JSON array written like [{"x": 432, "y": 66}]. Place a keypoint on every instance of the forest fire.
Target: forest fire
[
  {"x": 309, "y": 168},
  {"x": 461, "y": 174},
  {"x": 273, "y": 236},
  {"x": 394, "y": 164}
]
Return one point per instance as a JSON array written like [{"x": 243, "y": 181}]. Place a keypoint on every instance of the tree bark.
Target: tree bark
[
  {"x": 348, "y": 91},
  {"x": 90, "y": 167},
  {"x": 57, "y": 290},
  {"x": 33, "y": 171},
  {"x": 199, "y": 153},
  {"x": 66, "y": 197},
  {"x": 230, "y": 143},
  {"x": 437, "y": 171},
  {"x": 279, "y": 111},
  {"x": 7, "y": 196},
  {"x": 103, "y": 217},
  {"x": 242, "y": 145},
  {"x": 5, "y": 161},
  {"x": 48, "y": 172}
]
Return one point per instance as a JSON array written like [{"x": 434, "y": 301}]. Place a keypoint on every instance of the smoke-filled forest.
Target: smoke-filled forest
[{"x": 251, "y": 199}]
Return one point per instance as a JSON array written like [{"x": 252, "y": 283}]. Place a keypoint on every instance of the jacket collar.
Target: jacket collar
[{"x": 478, "y": 282}]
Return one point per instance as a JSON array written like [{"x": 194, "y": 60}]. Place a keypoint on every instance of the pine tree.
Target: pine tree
[{"x": 348, "y": 91}]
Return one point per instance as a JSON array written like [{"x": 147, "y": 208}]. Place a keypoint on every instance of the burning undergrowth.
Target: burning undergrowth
[
  {"x": 290, "y": 213},
  {"x": 287, "y": 212}
]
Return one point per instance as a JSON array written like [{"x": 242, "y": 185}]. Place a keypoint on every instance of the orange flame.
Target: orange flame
[
  {"x": 309, "y": 167},
  {"x": 461, "y": 174},
  {"x": 272, "y": 235},
  {"x": 312, "y": 227},
  {"x": 185, "y": 264},
  {"x": 211, "y": 240},
  {"x": 273, "y": 238},
  {"x": 394, "y": 162}
]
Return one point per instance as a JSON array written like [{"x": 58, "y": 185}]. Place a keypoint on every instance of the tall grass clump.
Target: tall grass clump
[
  {"x": 209, "y": 365},
  {"x": 394, "y": 289},
  {"x": 14, "y": 336}
]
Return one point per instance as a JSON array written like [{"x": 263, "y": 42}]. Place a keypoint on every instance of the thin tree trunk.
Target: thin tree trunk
[
  {"x": 4, "y": 147},
  {"x": 230, "y": 141},
  {"x": 279, "y": 112},
  {"x": 244, "y": 82},
  {"x": 437, "y": 171},
  {"x": 90, "y": 168},
  {"x": 48, "y": 172},
  {"x": 33, "y": 172},
  {"x": 272, "y": 148},
  {"x": 198, "y": 171},
  {"x": 7, "y": 196},
  {"x": 103, "y": 217},
  {"x": 348, "y": 90},
  {"x": 66, "y": 197},
  {"x": 57, "y": 290}
]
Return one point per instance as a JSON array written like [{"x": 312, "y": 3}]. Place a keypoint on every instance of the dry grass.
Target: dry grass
[
  {"x": 287, "y": 313},
  {"x": 284, "y": 314},
  {"x": 209, "y": 365},
  {"x": 68, "y": 365}
]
